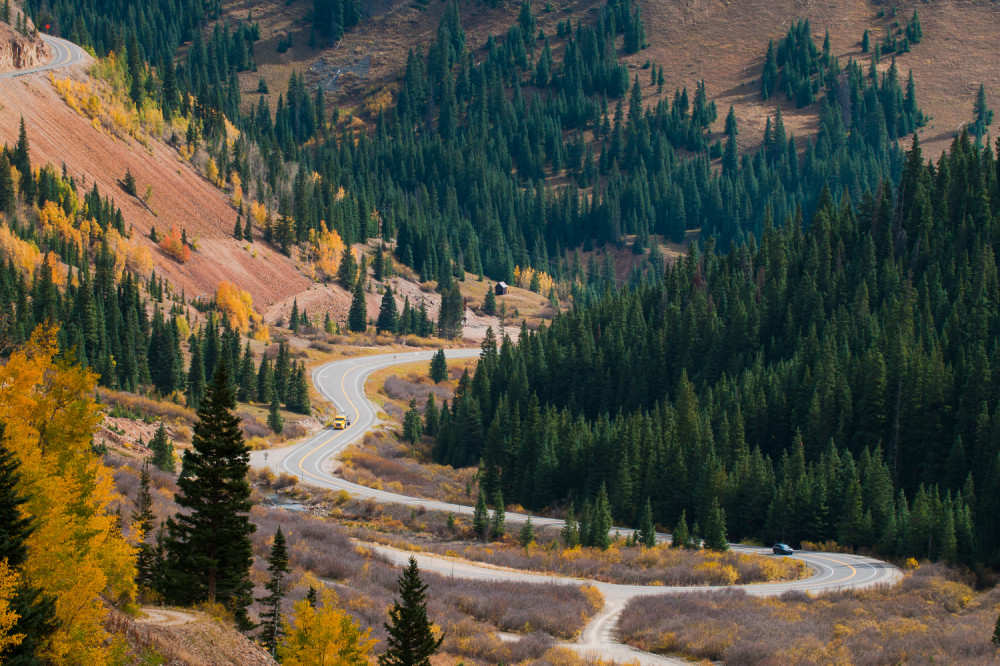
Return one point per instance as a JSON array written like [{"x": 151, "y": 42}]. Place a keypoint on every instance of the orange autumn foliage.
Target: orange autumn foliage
[
  {"x": 77, "y": 551},
  {"x": 172, "y": 245}
]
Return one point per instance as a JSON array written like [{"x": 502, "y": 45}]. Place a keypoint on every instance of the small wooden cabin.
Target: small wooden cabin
[{"x": 500, "y": 289}]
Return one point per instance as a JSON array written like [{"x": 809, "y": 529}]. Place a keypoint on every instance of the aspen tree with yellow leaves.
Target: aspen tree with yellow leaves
[{"x": 77, "y": 551}]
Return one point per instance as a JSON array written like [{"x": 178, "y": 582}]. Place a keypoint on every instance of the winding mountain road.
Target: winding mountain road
[
  {"x": 343, "y": 382},
  {"x": 64, "y": 54}
]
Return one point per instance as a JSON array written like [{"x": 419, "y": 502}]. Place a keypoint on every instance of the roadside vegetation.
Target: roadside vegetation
[
  {"x": 934, "y": 616},
  {"x": 321, "y": 553}
]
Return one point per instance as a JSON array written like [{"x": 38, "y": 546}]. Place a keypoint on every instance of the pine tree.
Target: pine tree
[
  {"x": 293, "y": 319},
  {"x": 277, "y": 566},
  {"x": 387, "y": 313},
  {"x": 681, "y": 536},
  {"x": 36, "y": 611},
  {"x": 196, "y": 374},
  {"x": 412, "y": 425},
  {"x": 357, "y": 317},
  {"x": 498, "y": 524},
  {"x": 248, "y": 231},
  {"x": 600, "y": 523},
  {"x": 715, "y": 528},
  {"x": 527, "y": 534},
  {"x": 571, "y": 531},
  {"x": 451, "y": 314},
  {"x": 481, "y": 516},
  {"x": 439, "y": 367},
  {"x": 647, "y": 531},
  {"x": 238, "y": 230},
  {"x": 163, "y": 450},
  {"x": 209, "y": 552},
  {"x": 348, "y": 270},
  {"x": 982, "y": 114},
  {"x": 142, "y": 518},
  {"x": 274, "y": 419},
  {"x": 431, "y": 417},
  {"x": 490, "y": 301},
  {"x": 410, "y": 641}
]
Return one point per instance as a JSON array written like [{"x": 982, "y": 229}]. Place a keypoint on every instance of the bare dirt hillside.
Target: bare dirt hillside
[
  {"x": 721, "y": 42},
  {"x": 181, "y": 196}
]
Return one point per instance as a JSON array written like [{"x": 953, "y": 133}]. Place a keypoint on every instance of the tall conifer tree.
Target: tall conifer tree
[{"x": 209, "y": 553}]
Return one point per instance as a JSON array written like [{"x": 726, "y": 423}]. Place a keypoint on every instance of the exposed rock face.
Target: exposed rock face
[{"x": 18, "y": 51}]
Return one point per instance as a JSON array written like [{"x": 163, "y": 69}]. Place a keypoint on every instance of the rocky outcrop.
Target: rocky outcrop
[{"x": 20, "y": 52}]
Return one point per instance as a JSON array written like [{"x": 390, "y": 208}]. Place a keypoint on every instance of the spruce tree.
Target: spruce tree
[
  {"x": 293, "y": 319},
  {"x": 571, "y": 530},
  {"x": 490, "y": 301},
  {"x": 142, "y": 518},
  {"x": 36, "y": 611},
  {"x": 681, "y": 536},
  {"x": 481, "y": 516},
  {"x": 412, "y": 426},
  {"x": 357, "y": 317},
  {"x": 387, "y": 313},
  {"x": 715, "y": 528},
  {"x": 498, "y": 524},
  {"x": 248, "y": 231},
  {"x": 196, "y": 374},
  {"x": 208, "y": 548},
  {"x": 277, "y": 566},
  {"x": 600, "y": 523},
  {"x": 410, "y": 641},
  {"x": 647, "y": 531},
  {"x": 452, "y": 312},
  {"x": 348, "y": 270},
  {"x": 439, "y": 367},
  {"x": 163, "y": 450},
  {"x": 238, "y": 230},
  {"x": 527, "y": 533},
  {"x": 274, "y": 419},
  {"x": 431, "y": 416}
]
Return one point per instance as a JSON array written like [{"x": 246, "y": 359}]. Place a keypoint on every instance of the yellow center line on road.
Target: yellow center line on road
[
  {"x": 357, "y": 415},
  {"x": 854, "y": 572}
]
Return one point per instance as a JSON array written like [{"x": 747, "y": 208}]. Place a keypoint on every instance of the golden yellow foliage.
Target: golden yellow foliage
[
  {"x": 377, "y": 101},
  {"x": 8, "y": 617},
  {"x": 25, "y": 255},
  {"x": 524, "y": 276},
  {"x": 237, "y": 189},
  {"x": 77, "y": 552},
  {"x": 259, "y": 213},
  {"x": 53, "y": 220},
  {"x": 212, "y": 172},
  {"x": 324, "y": 635},
  {"x": 129, "y": 253},
  {"x": 327, "y": 248},
  {"x": 237, "y": 306}
]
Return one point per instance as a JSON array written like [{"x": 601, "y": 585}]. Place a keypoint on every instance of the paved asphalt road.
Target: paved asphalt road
[
  {"x": 64, "y": 54},
  {"x": 342, "y": 383}
]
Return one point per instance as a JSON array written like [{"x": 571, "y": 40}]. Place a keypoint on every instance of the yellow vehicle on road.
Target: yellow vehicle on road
[{"x": 339, "y": 422}]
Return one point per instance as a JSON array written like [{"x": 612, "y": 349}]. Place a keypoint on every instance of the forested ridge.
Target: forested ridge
[
  {"x": 461, "y": 167},
  {"x": 834, "y": 380}
]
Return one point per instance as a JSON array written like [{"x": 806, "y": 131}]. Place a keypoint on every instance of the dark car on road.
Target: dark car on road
[{"x": 782, "y": 549}]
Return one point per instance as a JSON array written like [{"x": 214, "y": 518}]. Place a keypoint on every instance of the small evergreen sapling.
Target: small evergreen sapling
[{"x": 527, "y": 534}]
